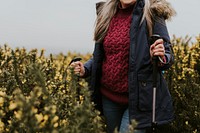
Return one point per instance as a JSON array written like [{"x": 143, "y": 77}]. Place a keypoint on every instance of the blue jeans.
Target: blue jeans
[{"x": 117, "y": 116}]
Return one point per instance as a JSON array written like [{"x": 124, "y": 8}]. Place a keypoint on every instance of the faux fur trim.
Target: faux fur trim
[{"x": 162, "y": 8}]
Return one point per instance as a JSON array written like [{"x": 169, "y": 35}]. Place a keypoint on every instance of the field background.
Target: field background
[{"x": 40, "y": 93}]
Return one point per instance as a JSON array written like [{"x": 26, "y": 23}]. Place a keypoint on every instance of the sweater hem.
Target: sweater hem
[{"x": 121, "y": 98}]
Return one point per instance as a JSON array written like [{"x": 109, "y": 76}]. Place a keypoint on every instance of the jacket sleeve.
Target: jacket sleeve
[
  {"x": 88, "y": 67},
  {"x": 160, "y": 28},
  {"x": 88, "y": 64}
]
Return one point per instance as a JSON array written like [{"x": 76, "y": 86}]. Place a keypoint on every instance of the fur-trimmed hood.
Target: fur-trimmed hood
[
  {"x": 158, "y": 7},
  {"x": 162, "y": 8}
]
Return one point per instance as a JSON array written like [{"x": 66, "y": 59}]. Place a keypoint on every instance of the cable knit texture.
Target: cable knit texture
[{"x": 115, "y": 66}]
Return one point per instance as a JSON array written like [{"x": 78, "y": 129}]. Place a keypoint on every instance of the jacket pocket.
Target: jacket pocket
[{"x": 145, "y": 91}]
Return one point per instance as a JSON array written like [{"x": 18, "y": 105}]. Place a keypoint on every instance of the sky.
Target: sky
[{"x": 60, "y": 26}]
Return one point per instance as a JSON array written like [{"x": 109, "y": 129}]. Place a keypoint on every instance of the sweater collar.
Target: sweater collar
[
  {"x": 123, "y": 12},
  {"x": 127, "y": 8}
]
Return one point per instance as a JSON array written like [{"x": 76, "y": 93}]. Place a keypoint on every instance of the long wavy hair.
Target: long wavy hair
[{"x": 106, "y": 13}]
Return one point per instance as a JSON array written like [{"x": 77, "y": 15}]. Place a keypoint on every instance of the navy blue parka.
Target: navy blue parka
[{"x": 140, "y": 72}]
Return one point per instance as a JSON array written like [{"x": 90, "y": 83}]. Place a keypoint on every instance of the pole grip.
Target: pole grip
[
  {"x": 155, "y": 70},
  {"x": 152, "y": 40}
]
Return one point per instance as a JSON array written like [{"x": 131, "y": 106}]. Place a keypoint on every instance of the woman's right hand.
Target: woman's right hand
[{"x": 79, "y": 68}]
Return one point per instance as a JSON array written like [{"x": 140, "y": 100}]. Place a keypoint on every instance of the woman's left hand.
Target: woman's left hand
[{"x": 157, "y": 48}]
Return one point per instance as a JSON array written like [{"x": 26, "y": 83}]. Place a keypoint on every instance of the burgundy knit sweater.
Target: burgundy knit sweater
[{"x": 115, "y": 66}]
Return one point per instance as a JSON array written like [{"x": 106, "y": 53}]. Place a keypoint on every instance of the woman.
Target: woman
[{"x": 121, "y": 67}]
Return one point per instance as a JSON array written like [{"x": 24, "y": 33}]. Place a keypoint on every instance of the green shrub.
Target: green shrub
[
  {"x": 184, "y": 83},
  {"x": 41, "y": 94}
]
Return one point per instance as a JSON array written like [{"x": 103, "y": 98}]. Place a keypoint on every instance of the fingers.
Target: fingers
[
  {"x": 157, "y": 49},
  {"x": 78, "y": 68}
]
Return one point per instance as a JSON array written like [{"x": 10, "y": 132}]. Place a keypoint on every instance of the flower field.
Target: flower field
[
  {"x": 184, "y": 83},
  {"x": 41, "y": 94}
]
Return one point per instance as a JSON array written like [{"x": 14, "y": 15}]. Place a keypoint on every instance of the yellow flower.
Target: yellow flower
[
  {"x": 46, "y": 108},
  {"x": 46, "y": 117},
  {"x": 55, "y": 119},
  {"x": 55, "y": 125},
  {"x": 18, "y": 114},
  {"x": 2, "y": 93},
  {"x": 35, "y": 110},
  {"x": 53, "y": 110},
  {"x": 44, "y": 120},
  {"x": 12, "y": 105},
  {"x": 39, "y": 117},
  {"x": 9, "y": 121},
  {"x": 64, "y": 122},
  {"x": 1, "y": 101},
  {"x": 1, "y": 126}
]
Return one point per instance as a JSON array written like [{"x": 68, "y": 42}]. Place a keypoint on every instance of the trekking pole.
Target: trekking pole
[
  {"x": 74, "y": 60},
  {"x": 155, "y": 71},
  {"x": 78, "y": 87}
]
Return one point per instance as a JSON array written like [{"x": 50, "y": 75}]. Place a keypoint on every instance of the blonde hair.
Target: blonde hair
[
  {"x": 147, "y": 14},
  {"x": 106, "y": 13}
]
